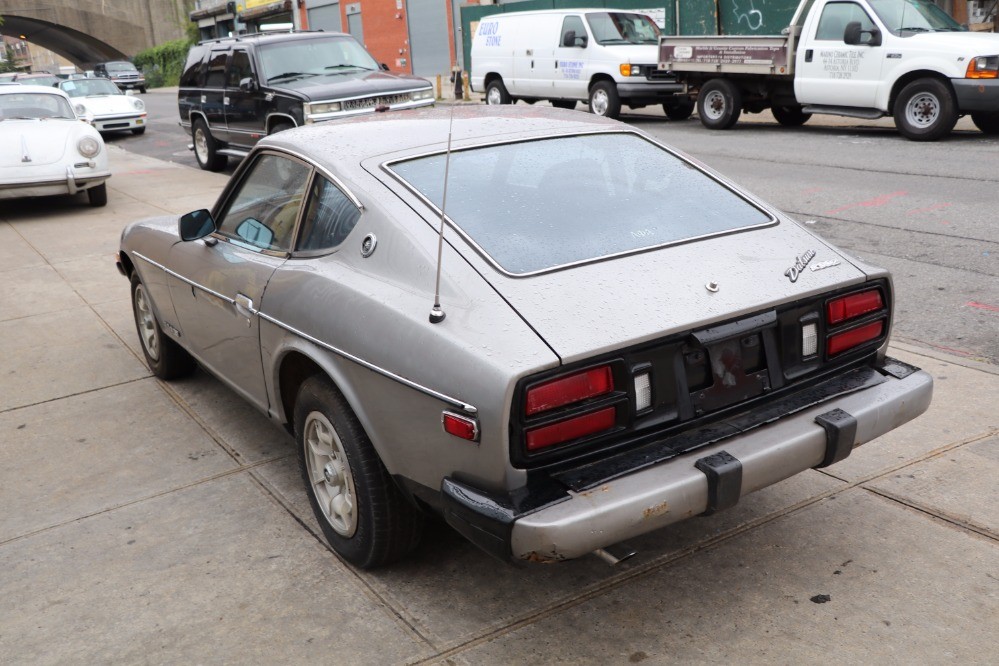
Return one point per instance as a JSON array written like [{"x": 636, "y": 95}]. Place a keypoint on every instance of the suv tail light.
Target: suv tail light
[{"x": 567, "y": 390}]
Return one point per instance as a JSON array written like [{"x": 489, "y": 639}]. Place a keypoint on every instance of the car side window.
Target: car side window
[
  {"x": 836, "y": 15},
  {"x": 572, "y": 30},
  {"x": 239, "y": 68},
  {"x": 329, "y": 217},
  {"x": 216, "y": 70},
  {"x": 263, "y": 210}
]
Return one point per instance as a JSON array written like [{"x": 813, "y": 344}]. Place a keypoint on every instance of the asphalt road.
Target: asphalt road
[{"x": 926, "y": 211}]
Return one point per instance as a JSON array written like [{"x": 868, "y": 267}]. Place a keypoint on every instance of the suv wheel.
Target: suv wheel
[{"x": 206, "y": 148}]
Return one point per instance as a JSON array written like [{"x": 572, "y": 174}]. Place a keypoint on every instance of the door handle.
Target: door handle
[
  {"x": 225, "y": 101},
  {"x": 808, "y": 55},
  {"x": 244, "y": 306}
]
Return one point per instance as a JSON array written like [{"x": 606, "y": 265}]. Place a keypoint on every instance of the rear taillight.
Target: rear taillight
[
  {"x": 840, "y": 342},
  {"x": 571, "y": 428},
  {"x": 845, "y": 308},
  {"x": 567, "y": 390}
]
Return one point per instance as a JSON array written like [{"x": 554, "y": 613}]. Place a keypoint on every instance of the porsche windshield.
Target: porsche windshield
[
  {"x": 89, "y": 87},
  {"x": 33, "y": 106},
  {"x": 300, "y": 58},
  {"x": 537, "y": 205}
]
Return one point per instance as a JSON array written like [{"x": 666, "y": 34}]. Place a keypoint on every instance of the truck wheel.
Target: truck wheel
[
  {"x": 362, "y": 513},
  {"x": 496, "y": 93},
  {"x": 719, "y": 104},
  {"x": 925, "y": 110},
  {"x": 790, "y": 116},
  {"x": 205, "y": 148},
  {"x": 604, "y": 100},
  {"x": 679, "y": 109},
  {"x": 986, "y": 121}
]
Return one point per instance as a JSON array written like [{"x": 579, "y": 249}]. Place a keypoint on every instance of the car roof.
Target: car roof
[
  {"x": 343, "y": 144},
  {"x": 23, "y": 88}
]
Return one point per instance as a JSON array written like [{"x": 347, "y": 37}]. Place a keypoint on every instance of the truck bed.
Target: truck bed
[{"x": 731, "y": 54}]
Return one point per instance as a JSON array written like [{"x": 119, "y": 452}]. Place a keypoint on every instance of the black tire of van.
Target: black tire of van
[
  {"x": 790, "y": 116},
  {"x": 679, "y": 109},
  {"x": 496, "y": 92},
  {"x": 206, "y": 148},
  {"x": 987, "y": 121},
  {"x": 925, "y": 110},
  {"x": 604, "y": 100},
  {"x": 719, "y": 104}
]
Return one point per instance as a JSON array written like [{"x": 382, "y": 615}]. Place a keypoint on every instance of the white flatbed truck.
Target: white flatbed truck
[{"x": 860, "y": 58}]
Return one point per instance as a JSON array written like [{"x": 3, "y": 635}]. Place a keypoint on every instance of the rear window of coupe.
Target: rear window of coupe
[{"x": 538, "y": 205}]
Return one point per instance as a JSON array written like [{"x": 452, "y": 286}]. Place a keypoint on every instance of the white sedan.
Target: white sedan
[
  {"x": 105, "y": 106},
  {"x": 47, "y": 150}
]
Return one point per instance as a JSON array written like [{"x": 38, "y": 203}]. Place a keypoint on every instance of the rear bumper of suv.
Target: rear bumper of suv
[{"x": 711, "y": 478}]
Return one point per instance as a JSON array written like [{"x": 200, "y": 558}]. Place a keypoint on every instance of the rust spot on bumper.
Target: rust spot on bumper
[{"x": 656, "y": 510}]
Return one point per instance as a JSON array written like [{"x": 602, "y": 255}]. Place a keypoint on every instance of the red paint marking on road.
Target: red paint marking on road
[
  {"x": 813, "y": 190},
  {"x": 929, "y": 209},
  {"x": 982, "y": 306},
  {"x": 945, "y": 222},
  {"x": 872, "y": 203}
]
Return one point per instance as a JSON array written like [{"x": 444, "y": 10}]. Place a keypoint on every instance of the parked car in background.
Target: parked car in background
[
  {"x": 47, "y": 150},
  {"x": 122, "y": 73},
  {"x": 31, "y": 79},
  {"x": 625, "y": 339},
  {"x": 105, "y": 106},
  {"x": 234, "y": 91}
]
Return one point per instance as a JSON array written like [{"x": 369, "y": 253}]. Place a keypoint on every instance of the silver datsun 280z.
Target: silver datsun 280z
[{"x": 625, "y": 339}]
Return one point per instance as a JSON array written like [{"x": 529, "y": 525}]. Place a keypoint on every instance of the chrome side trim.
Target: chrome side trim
[{"x": 464, "y": 406}]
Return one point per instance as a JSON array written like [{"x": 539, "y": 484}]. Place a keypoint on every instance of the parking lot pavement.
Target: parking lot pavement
[{"x": 165, "y": 522}]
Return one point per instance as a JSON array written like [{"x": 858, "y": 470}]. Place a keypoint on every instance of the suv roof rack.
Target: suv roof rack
[{"x": 237, "y": 38}]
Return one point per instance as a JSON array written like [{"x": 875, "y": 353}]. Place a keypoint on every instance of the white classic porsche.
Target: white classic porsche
[
  {"x": 105, "y": 106},
  {"x": 48, "y": 151}
]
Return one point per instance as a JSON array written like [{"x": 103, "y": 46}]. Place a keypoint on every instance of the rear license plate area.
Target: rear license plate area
[{"x": 726, "y": 372}]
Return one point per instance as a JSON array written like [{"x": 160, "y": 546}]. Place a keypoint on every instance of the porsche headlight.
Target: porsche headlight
[
  {"x": 138, "y": 104},
  {"x": 79, "y": 110},
  {"x": 88, "y": 146}
]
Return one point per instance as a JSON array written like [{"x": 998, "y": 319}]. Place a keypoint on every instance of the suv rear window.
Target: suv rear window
[{"x": 538, "y": 205}]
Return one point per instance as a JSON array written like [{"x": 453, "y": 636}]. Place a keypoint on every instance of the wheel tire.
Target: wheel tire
[
  {"x": 206, "y": 148},
  {"x": 925, "y": 110},
  {"x": 790, "y": 116},
  {"x": 719, "y": 104},
  {"x": 138, "y": 131},
  {"x": 165, "y": 358},
  {"x": 142, "y": 90},
  {"x": 496, "y": 93},
  {"x": 679, "y": 109},
  {"x": 372, "y": 524},
  {"x": 98, "y": 195},
  {"x": 604, "y": 100},
  {"x": 564, "y": 104},
  {"x": 280, "y": 127},
  {"x": 986, "y": 121}
]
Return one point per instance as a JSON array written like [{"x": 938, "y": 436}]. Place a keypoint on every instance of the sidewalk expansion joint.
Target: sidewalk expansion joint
[
  {"x": 945, "y": 518},
  {"x": 7, "y": 410}
]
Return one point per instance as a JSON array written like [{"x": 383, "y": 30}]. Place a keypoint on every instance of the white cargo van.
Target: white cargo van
[{"x": 605, "y": 58}]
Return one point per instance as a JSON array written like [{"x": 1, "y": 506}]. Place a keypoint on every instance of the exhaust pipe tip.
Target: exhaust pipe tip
[{"x": 614, "y": 555}]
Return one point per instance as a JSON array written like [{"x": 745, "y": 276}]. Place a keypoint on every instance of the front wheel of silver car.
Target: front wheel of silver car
[
  {"x": 361, "y": 511},
  {"x": 165, "y": 358}
]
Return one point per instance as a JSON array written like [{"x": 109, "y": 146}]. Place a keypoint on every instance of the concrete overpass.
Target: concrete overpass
[{"x": 89, "y": 31}]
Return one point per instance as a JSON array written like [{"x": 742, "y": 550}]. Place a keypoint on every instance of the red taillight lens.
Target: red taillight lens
[
  {"x": 849, "y": 339},
  {"x": 845, "y": 308},
  {"x": 567, "y": 390},
  {"x": 460, "y": 426},
  {"x": 574, "y": 428}
]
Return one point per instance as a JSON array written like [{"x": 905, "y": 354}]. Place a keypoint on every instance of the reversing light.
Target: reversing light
[
  {"x": 643, "y": 392},
  {"x": 570, "y": 429},
  {"x": 841, "y": 342},
  {"x": 460, "y": 426},
  {"x": 847, "y": 307},
  {"x": 567, "y": 390},
  {"x": 809, "y": 340},
  {"x": 983, "y": 67}
]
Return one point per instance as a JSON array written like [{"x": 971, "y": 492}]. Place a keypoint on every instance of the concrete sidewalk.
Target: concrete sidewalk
[{"x": 152, "y": 522}]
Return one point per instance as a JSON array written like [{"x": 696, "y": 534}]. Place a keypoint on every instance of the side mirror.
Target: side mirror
[
  {"x": 196, "y": 224},
  {"x": 854, "y": 35},
  {"x": 384, "y": 67},
  {"x": 249, "y": 84},
  {"x": 569, "y": 38},
  {"x": 582, "y": 41}
]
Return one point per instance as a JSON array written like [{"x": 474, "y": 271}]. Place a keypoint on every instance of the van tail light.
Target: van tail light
[
  {"x": 841, "y": 342},
  {"x": 572, "y": 428},
  {"x": 567, "y": 390},
  {"x": 845, "y": 308}
]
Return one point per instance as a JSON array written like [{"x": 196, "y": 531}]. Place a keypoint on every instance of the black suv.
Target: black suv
[
  {"x": 236, "y": 90},
  {"x": 123, "y": 73}
]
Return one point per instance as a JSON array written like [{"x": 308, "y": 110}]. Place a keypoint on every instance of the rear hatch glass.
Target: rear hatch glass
[{"x": 543, "y": 204}]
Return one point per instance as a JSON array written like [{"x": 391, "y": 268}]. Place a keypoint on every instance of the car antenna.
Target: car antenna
[{"x": 436, "y": 313}]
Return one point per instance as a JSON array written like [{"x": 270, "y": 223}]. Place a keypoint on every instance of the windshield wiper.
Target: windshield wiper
[
  {"x": 290, "y": 75},
  {"x": 913, "y": 29}
]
